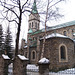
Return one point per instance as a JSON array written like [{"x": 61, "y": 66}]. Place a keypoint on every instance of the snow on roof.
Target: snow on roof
[
  {"x": 25, "y": 46},
  {"x": 22, "y": 57},
  {"x": 55, "y": 35},
  {"x": 5, "y": 56},
  {"x": 73, "y": 34},
  {"x": 44, "y": 60}
]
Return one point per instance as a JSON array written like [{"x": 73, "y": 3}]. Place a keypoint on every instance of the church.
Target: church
[{"x": 59, "y": 46}]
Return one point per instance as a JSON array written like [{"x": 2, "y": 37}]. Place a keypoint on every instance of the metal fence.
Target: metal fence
[
  {"x": 10, "y": 69},
  {"x": 34, "y": 70}
]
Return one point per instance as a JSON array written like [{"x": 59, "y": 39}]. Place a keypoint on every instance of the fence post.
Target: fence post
[
  {"x": 4, "y": 61},
  {"x": 43, "y": 66},
  {"x": 19, "y": 65}
]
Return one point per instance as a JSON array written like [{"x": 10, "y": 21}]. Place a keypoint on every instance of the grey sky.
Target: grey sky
[{"x": 67, "y": 9}]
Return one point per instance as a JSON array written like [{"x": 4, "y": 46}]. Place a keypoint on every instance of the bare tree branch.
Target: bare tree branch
[
  {"x": 9, "y": 9},
  {"x": 24, "y": 4}
]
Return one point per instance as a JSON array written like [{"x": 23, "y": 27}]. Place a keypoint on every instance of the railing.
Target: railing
[
  {"x": 10, "y": 69},
  {"x": 34, "y": 70}
]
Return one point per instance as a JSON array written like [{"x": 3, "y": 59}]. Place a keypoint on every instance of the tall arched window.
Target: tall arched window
[
  {"x": 32, "y": 24},
  {"x": 63, "y": 57},
  {"x": 63, "y": 52},
  {"x": 36, "y": 25},
  {"x": 33, "y": 55},
  {"x": 29, "y": 25}
]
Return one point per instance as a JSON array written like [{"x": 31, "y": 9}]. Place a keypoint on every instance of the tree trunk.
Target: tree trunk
[
  {"x": 18, "y": 35},
  {"x": 43, "y": 48}
]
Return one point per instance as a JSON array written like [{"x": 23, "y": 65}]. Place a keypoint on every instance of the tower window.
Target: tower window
[
  {"x": 65, "y": 33},
  {"x": 36, "y": 24},
  {"x": 32, "y": 24},
  {"x": 29, "y": 25}
]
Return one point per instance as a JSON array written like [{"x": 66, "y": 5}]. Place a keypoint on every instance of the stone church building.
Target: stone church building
[{"x": 59, "y": 44}]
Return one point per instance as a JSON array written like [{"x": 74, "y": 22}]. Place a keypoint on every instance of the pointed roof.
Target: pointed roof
[
  {"x": 34, "y": 8},
  {"x": 30, "y": 31}
]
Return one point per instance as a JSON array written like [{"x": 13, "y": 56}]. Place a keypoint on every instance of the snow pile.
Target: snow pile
[
  {"x": 22, "y": 57},
  {"x": 44, "y": 60},
  {"x": 5, "y": 56},
  {"x": 25, "y": 46},
  {"x": 32, "y": 67},
  {"x": 73, "y": 34},
  {"x": 68, "y": 71}
]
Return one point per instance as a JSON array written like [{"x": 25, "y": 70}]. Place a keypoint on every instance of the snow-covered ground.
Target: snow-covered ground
[
  {"x": 64, "y": 72},
  {"x": 32, "y": 69},
  {"x": 68, "y": 71}
]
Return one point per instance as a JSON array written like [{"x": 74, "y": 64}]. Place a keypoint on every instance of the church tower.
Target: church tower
[
  {"x": 34, "y": 22},
  {"x": 34, "y": 19}
]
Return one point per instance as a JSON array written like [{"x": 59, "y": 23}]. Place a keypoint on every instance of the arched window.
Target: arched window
[
  {"x": 63, "y": 57},
  {"x": 33, "y": 55},
  {"x": 29, "y": 25},
  {"x": 32, "y": 24},
  {"x": 65, "y": 33},
  {"x": 36, "y": 25},
  {"x": 26, "y": 54},
  {"x": 63, "y": 52}
]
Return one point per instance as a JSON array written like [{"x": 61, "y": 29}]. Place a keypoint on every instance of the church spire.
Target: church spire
[{"x": 34, "y": 8}]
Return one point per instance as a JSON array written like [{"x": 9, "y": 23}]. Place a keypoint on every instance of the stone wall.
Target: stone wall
[
  {"x": 69, "y": 32},
  {"x": 4, "y": 62},
  {"x": 19, "y": 66},
  {"x": 52, "y": 52}
]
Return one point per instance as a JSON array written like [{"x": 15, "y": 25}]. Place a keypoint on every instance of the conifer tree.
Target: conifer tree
[{"x": 8, "y": 43}]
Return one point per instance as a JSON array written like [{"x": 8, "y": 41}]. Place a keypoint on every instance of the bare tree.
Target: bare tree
[
  {"x": 50, "y": 14},
  {"x": 17, "y": 8}
]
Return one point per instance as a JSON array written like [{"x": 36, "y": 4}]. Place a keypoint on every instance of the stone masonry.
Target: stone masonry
[
  {"x": 4, "y": 62},
  {"x": 19, "y": 65},
  {"x": 52, "y": 48}
]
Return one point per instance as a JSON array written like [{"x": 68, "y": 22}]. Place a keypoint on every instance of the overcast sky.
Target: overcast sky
[{"x": 67, "y": 9}]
